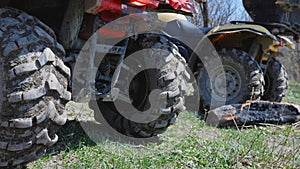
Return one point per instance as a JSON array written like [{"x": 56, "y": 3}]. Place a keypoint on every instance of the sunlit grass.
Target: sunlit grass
[
  {"x": 187, "y": 144},
  {"x": 293, "y": 94}
]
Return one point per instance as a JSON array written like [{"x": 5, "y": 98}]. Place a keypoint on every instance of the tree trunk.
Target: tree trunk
[{"x": 204, "y": 11}]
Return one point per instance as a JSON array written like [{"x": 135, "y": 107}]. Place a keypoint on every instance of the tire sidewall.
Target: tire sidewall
[
  {"x": 276, "y": 79},
  {"x": 240, "y": 65}
]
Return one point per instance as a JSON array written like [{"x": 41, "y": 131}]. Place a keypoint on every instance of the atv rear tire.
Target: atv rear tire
[
  {"x": 33, "y": 83},
  {"x": 244, "y": 80},
  {"x": 276, "y": 79},
  {"x": 170, "y": 79}
]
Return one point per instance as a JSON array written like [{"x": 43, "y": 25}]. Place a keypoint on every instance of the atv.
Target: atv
[
  {"x": 248, "y": 51},
  {"x": 40, "y": 42}
]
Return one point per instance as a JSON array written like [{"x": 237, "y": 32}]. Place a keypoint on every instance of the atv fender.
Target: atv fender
[
  {"x": 236, "y": 35},
  {"x": 184, "y": 31}
]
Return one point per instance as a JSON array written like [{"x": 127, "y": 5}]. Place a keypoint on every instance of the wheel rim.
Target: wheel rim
[{"x": 225, "y": 84}]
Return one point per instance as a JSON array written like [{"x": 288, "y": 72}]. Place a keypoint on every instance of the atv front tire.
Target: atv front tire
[
  {"x": 33, "y": 88},
  {"x": 170, "y": 79}
]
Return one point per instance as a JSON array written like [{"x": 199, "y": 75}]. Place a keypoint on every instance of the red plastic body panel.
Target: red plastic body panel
[
  {"x": 182, "y": 5},
  {"x": 106, "y": 32},
  {"x": 111, "y": 5},
  {"x": 116, "y": 5},
  {"x": 148, "y": 3}
]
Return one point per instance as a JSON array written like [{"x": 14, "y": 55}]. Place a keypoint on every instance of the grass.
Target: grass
[
  {"x": 187, "y": 144},
  {"x": 293, "y": 93}
]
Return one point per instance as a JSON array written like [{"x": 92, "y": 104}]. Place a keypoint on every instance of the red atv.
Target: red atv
[{"x": 40, "y": 42}]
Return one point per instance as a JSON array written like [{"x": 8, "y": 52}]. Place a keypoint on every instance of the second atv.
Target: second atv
[{"x": 248, "y": 52}]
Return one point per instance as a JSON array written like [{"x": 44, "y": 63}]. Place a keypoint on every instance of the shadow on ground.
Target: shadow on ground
[
  {"x": 71, "y": 136},
  {"x": 75, "y": 134}
]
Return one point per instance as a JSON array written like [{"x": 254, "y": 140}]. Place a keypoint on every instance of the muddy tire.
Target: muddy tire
[
  {"x": 170, "y": 80},
  {"x": 244, "y": 80},
  {"x": 276, "y": 79},
  {"x": 32, "y": 88}
]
